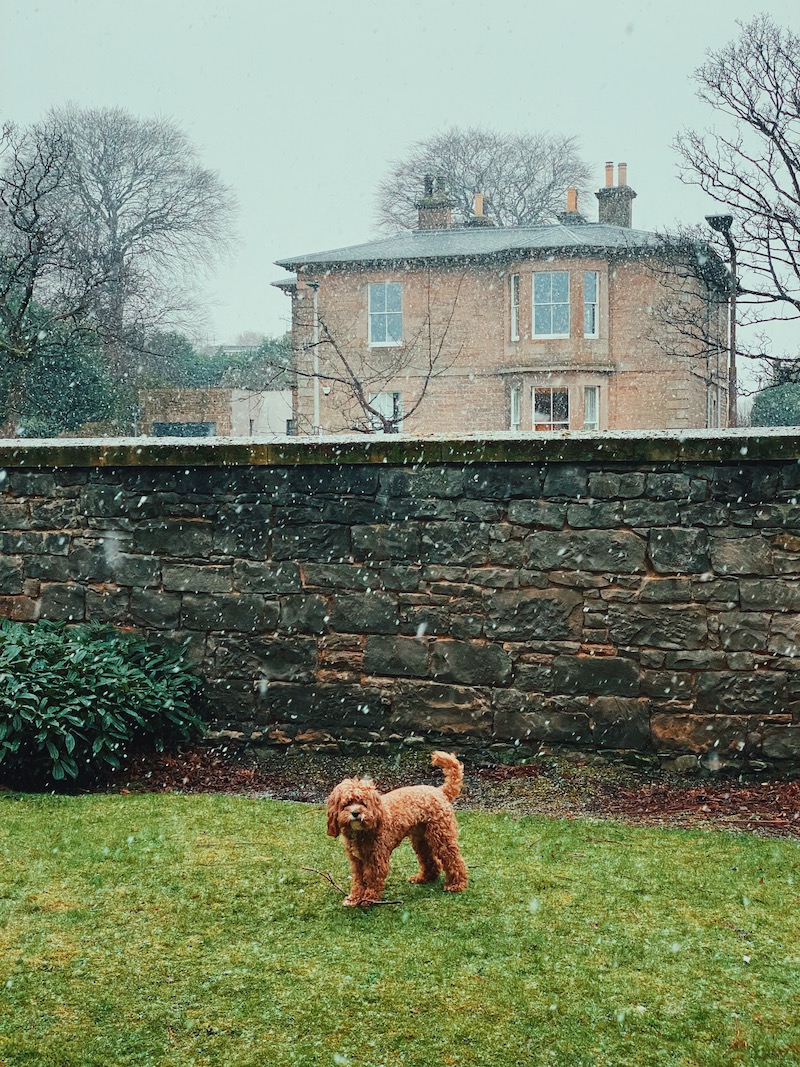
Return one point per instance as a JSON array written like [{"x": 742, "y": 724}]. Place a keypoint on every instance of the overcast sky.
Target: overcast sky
[{"x": 300, "y": 107}]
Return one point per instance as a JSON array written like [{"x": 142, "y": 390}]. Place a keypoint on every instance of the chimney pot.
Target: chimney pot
[
  {"x": 477, "y": 204},
  {"x": 616, "y": 202},
  {"x": 572, "y": 199}
]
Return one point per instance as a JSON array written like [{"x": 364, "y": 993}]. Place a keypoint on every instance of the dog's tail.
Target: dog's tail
[{"x": 453, "y": 773}]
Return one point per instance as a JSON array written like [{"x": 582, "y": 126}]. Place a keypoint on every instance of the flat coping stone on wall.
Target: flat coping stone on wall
[{"x": 716, "y": 446}]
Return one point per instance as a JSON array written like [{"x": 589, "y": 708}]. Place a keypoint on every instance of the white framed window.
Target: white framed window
[
  {"x": 550, "y": 408},
  {"x": 591, "y": 290},
  {"x": 390, "y": 406},
  {"x": 591, "y": 407},
  {"x": 551, "y": 303},
  {"x": 515, "y": 401},
  {"x": 514, "y": 294},
  {"x": 385, "y": 314}
]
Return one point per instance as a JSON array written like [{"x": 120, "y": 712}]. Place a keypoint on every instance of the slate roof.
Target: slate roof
[{"x": 484, "y": 242}]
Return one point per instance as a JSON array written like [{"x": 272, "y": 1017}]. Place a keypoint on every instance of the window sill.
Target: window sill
[{"x": 385, "y": 344}]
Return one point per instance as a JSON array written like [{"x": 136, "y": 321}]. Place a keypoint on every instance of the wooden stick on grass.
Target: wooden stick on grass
[{"x": 327, "y": 877}]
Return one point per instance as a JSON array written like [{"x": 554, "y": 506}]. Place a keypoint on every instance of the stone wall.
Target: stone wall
[{"x": 629, "y": 593}]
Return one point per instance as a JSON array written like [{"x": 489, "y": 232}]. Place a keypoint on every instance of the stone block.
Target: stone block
[
  {"x": 141, "y": 571},
  {"x": 745, "y": 482},
  {"x": 769, "y": 594},
  {"x": 64, "y": 602},
  {"x": 670, "y": 486},
  {"x": 748, "y": 554},
  {"x": 612, "y": 551},
  {"x": 32, "y": 542},
  {"x": 595, "y": 676},
  {"x": 781, "y": 743},
  {"x": 503, "y": 481},
  {"x": 534, "y": 615},
  {"x": 108, "y": 605},
  {"x": 155, "y": 610},
  {"x": 90, "y": 561},
  {"x": 319, "y": 543},
  {"x": 595, "y": 515},
  {"x": 657, "y": 626},
  {"x": 250, "y": 576},
  {"x": 395, "y": 541},
  {"x": 400, "y": 578},
  {"x": 543, "y": 514},
  {"x": 677, "y": 551},
  {"x": 397, "y": 657},
  {"x": 566, "y": 480},
  {"x": 331, "y": 706},
  {"x": 243, "y": 530},
  {"x": 181, "y": 538},
  {"x": 784, "y": 639},
  {"x": 621, "y": 723},
  {"x": 534, "y": 674},
  {"x": 609, "y": 485},
  {"x": 455, "y": 543},
  {"x": 744, "y": 631},
  {"x": 246, "y": 612},
  {"x": 666, "y": 590},
  {"x": 742, "y": 691},
  {"x": 292, "y": 659},
  {"x": 421, "y": 482},
  {"x": 525, "y": 717},
  {"x": 668, "y": 685},
  {"x": 429, "y": 707},
  {"x": 304, "y": 613},
  {"x": 10, "y": 574},
  {"x": 644, "y": 514},
  {"x": 339, "y": 576},
  {"x": 368, "y": 613},
  {"x": 192, "y": 578},
  {"x": 726, "y": 735},
  {"x": 469, "y": 663}
]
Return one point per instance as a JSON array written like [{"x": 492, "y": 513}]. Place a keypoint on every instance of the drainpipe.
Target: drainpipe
[{"x": 316, "y": 429}]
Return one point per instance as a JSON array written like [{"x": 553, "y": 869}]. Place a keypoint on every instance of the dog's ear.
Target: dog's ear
[
  {"x": 374, "y": 806},
  {"x": 333, "y": 813}
]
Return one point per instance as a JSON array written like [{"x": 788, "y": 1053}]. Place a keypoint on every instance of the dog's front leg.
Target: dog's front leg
[
  {"x": 376, "y": 871},
  {"x": 357, "y": 884}
]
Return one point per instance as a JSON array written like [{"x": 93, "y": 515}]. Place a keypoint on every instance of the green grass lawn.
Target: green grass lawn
[{"x": 183, "y": 930}]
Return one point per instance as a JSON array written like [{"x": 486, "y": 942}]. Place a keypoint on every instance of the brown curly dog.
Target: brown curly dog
[{"x": 372, "y": 825}]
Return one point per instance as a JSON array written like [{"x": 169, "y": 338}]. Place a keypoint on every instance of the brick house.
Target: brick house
[{"x": 478, "y": 327}]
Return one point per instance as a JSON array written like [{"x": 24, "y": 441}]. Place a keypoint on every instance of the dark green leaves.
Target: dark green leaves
[{"x": 75, "y": 700}]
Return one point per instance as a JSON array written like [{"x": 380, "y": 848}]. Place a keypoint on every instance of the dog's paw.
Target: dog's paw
[
  {"x": 348, "y": 902},
  {"x": 455, "y": 887},
  {"x": 422, "y": 879}
]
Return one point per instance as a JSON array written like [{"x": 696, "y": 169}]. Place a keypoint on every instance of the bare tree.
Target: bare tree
[
  {"x": 356, "y": 379},
  {"x": 750, "y": 164},
  {"x": 145, "y": 213},
  {"x": 47, "y": 287},
  {"x": 104, "y": 222},
  {"x": 523, "y": 176}
]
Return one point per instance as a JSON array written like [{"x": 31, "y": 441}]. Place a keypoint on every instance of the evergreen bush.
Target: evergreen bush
[{"x": 75, "y": 700}]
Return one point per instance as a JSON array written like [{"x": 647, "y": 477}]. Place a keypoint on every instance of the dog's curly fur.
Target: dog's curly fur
[{"x": 372, "y": 825}]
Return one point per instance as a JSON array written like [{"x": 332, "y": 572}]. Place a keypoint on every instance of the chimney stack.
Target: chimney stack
[
  {"x": 571, "y": 216},
  {"x": 435, "y": 206},
  {"x": 478, "y": 218},
  {"x": 616, "y": 201}
]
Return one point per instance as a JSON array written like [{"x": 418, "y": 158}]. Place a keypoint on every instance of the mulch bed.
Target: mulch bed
[{"x": 548, "y": 786}]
